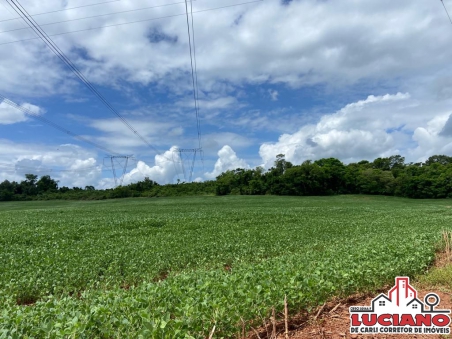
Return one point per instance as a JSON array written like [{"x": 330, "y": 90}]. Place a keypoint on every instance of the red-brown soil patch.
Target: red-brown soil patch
[
  {"x": 335, "y": 324},
  {"x": 332, "y": 320}
]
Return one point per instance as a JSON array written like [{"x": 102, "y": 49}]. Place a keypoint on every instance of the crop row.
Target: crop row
[{"x": 177, "y": 267}]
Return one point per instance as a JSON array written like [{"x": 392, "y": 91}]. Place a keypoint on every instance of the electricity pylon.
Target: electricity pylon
[
  {"x": 187, "y": 151},
  {"x": 122, "y": 161}
]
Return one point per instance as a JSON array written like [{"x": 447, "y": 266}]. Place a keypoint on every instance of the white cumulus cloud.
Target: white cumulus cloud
[
  {"x": 10, "y": 115},
  {"x": 166, "y": 168},
  {"x": 366, "y": 129},
  {"x": 227, "y": 160}
]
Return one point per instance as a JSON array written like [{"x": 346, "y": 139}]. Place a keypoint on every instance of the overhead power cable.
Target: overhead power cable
[
  {"x": 194, "y": 83},
  {"x": 96, "y": 16},
  {"x": 445, "y": 8},
  {"x": 197, "y": 88},
  {"x": 57, "y": 51},
  {"x": 130, "y": 22},
  {"x": 64, "y": 9},
  {"x": 29, "y": 113}
]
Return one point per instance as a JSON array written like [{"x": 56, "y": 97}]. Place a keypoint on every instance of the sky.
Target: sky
[{"x": 353, "y": 80}]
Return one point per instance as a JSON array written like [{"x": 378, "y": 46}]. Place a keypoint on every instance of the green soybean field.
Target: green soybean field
[{"x": 177, "y": 267}]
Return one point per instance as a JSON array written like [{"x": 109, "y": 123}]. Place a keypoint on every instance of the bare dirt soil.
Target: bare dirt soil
[
  {"x": 332, "y": 320},
  {"x": 335, "y": 323}
]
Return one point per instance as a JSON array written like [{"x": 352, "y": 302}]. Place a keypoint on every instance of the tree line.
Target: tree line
[
  {"x": 47, "y": 188},
  {"x": 328, "y": 176}
]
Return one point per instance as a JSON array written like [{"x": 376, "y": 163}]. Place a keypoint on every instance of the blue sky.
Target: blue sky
[{"x": 310, "y": 79}]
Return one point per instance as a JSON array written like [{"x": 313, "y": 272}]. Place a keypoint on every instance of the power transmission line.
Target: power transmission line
[
  {"x": 194, "y": 76},
  {"x": 96, "y": 16},
  {"x": 445, "y": 8},
  {"x": 29, "y": 113},
  {"x": 175, "y": 168},
  {"x": 113, "y": 159},
  {"x": 197, "y": 88},
  {"x": 57, "y": 51},
  {"x": 46, "y": 38},
  {"x": 194, "y": 83},
  {"x": 129, "y": 22},
  {"x": 196, "y": 70},
  {"x": 181, "y": 151},
  {"x": 62, "y": 10}
]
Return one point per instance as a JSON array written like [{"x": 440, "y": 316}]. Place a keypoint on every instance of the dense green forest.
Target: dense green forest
[{"x": 383, "y": 176}]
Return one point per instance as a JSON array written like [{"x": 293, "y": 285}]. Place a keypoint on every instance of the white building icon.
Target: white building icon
[
  {"x": 403, "y": 298},
  {"x": 402, "y": 293},
  {"x": 400, "y": 311}
]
